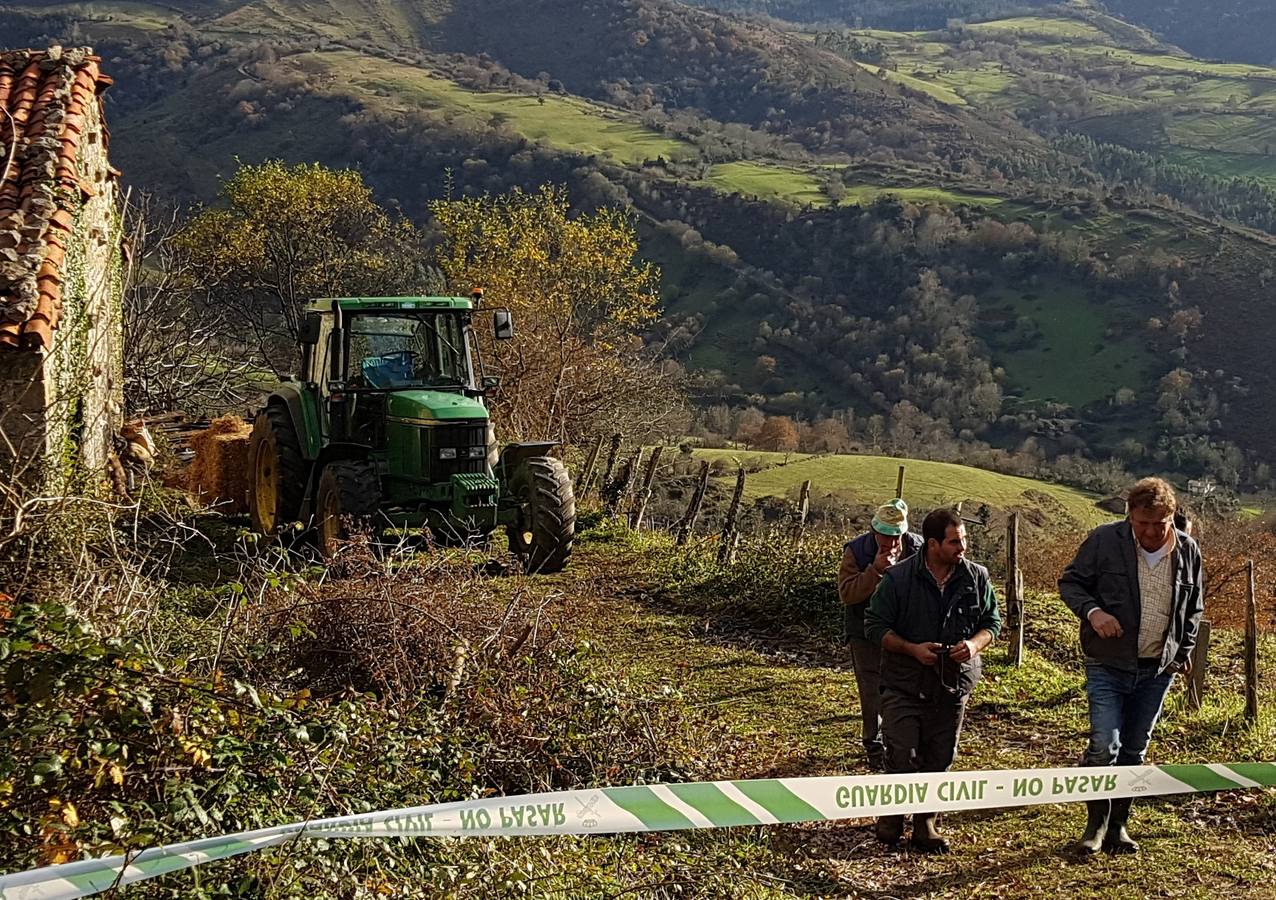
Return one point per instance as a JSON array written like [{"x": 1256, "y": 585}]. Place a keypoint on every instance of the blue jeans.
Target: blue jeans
[{"x": 1124, "y": 707}]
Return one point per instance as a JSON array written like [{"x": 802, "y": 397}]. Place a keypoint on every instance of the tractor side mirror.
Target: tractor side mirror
[
  {"x": 308, "y": 335},
  {"x": 491, "y": 382},
  {"x": 503, "y": 324}
]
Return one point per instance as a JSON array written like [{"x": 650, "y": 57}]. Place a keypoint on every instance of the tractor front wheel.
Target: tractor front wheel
[
  {"x": 346, "y": 504},
  {"x": 277, "y": 472},
  {"x": 547, "y": 525}
]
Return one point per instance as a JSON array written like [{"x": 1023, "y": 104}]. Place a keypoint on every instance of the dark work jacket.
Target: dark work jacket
[
  {"x": 908, "y": 602},
  {"x": 1105, "y": 575},
  {"x": 863, "y": 551}
]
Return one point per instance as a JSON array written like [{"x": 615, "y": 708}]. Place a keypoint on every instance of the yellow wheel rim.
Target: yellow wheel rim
[
  {"x": 330, "y": 531},
  {"x": 265, "y": 487}
]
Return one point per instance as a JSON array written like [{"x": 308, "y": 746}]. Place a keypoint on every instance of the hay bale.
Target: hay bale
[{"x": 219, "y": 473}]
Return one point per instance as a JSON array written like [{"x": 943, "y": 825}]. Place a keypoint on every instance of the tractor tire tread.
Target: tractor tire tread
[
  {"x": 358, "y": 492},
  {"x": 274, "y": 423},
  {"x": 553, "y": 523}
]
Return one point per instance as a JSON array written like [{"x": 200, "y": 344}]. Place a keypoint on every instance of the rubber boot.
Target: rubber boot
[
  {"x": 889, "y": 830},
  {"x": 1118, "y": 840},
  {"x": 926, "y": 836},
  {"x": 1096, "y": 826}
]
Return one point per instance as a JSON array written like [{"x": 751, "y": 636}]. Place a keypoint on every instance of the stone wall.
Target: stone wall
[
  {"x": 88, "y": 354},
  {"x": 24, "y": 405},
  {"x": 59, "y": 409}
]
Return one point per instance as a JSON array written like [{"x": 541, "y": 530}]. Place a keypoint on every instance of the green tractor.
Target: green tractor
[{"x": 386, "y": 426}]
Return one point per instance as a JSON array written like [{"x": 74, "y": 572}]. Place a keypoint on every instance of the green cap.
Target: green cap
[{"x": 891, "y": 518}]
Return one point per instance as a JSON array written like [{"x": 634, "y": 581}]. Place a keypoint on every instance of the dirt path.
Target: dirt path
[{"x": 801, "y": 698}]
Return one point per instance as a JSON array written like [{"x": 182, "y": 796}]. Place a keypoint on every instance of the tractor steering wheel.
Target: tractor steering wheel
[{"x": 404, "y": 360}]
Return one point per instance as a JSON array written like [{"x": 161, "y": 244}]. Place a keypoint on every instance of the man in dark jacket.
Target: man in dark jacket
[
  {"x": 932, "y": 615},
  {"x": 1136, "y": 586},
  {"x": 864, "y": 562}
]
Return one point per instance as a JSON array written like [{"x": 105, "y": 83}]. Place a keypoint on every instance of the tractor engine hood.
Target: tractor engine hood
[{"x": 433, "y": 407}]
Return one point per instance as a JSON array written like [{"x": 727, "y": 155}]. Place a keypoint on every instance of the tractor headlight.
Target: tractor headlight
[
  {"x": 478, "y": 453},
  {"x": 447, "y": 453}
]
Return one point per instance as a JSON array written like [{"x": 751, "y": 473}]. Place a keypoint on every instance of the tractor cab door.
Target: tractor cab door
[{"x": 322, "y": 359}]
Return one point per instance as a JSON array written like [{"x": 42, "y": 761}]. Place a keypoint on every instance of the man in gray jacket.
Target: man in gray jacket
[{"x": 1136, "y": 586}]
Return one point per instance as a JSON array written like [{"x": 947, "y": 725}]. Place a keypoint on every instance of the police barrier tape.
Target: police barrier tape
[{"x": 664, "y": 807}]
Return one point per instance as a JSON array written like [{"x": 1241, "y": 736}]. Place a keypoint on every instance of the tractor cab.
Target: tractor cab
[
  {"x": 375, "y": 362},
  {"x": 389, "y": 413}
]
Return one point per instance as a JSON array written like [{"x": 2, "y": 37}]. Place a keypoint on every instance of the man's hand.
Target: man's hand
[
  {"x": 925, "y": 653},
  {"x": 1104, "y": 625},
  {"x": 885, "y": 559},
  {"x": 963, "y": 651},
  {"x": 1183, "y": 668}
]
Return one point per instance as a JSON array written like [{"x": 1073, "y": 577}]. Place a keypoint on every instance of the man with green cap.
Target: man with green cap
[{"x": 864, "y": 561}]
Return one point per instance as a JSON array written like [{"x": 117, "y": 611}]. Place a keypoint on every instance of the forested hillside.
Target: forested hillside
[
  {"x": 1224, "y": 29},
  {"x": 1228, "y": 29},
  {"x": 928, "y": 234}
]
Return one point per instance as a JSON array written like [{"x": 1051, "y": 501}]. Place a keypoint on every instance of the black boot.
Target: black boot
[
  {"x": 926, "y": 836},
  {"x": 1096, "y": 826},
  {"x": 890, "y": 829},
  {"x": 1118, "y": 840}
]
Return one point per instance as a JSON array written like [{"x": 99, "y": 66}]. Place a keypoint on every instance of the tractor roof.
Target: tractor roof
[{"x": 355, "y": 304}]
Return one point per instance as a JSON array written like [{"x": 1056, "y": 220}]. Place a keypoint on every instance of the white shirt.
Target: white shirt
[{"x": 1153, "y": 558}]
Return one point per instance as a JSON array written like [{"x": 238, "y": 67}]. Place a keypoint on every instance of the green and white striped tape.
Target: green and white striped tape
[{"x": 664, "y": 807}]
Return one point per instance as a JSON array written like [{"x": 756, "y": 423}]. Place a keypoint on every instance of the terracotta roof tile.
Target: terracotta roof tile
[{"x": 44, "y": 96}]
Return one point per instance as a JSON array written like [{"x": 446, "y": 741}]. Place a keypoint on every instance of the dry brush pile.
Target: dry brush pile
[{"x": 248, "y": 694}]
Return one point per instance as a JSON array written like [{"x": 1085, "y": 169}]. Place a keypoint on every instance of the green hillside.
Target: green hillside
[
  {"x": 1225, "y": 29},
  {"x": 869, "y": 479},
  {"x": 565, "y": 123},
  {"x": 775, "y": 181},
  {"x": 1114, "y": 81},
  {"x": 793, "y": 185}
]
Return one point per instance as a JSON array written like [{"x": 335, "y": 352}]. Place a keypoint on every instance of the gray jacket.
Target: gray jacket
[{"x": 1105, "y": 575}]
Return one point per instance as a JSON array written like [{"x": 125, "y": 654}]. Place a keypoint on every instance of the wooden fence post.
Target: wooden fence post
[
  {"x": 693, "y": 508},
  {"x": 899, "y": 484},
  {"x": 1014, "y": 592},
  {"x": 1251, "y": 646},
  {"x": 1200, "y": 662},
  {"x": 726, "y": 547},
  {"x": 630, "y": 473},
  {"x": 616, "y": 440},
  {"x": 645, "y": 495},
  {"x": 804, "y": 506},
  {"x": 587, "y": 473}
]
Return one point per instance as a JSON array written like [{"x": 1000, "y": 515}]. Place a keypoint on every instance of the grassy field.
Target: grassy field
[
  {"x": 943, "y": 94},
  {"x": 1231, "y": 165},
  {"x": 140, "y": 15},
  {"x": 1072, "y": 336},
  {"x": 927, "y": 484},
  {"x": 561, "y": 122},
  {"x": 1219, "y": 112},
  {"x": 775, "y": 182},
  {"x": 389, "y": 21},
  {"x": 862, "y": 194},
  {"x": 769, "y": 182}
]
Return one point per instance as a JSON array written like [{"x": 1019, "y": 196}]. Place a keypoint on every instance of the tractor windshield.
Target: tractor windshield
[{"x": 407, "y": 350}]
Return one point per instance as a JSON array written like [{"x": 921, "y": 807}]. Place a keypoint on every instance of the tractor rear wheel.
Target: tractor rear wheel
[
  {"x": 547, "y": 526},
  {"x": 346, "y": 504},
  {"x": 277, "y": 472}
]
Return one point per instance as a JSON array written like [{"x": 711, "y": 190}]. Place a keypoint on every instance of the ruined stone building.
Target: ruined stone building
[{"x": 60, "y": 320}]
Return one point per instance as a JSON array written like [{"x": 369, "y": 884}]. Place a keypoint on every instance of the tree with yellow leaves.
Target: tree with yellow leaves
[
  {"x": 287, "y": 235},
  {"x": 580, "y": 299}
]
